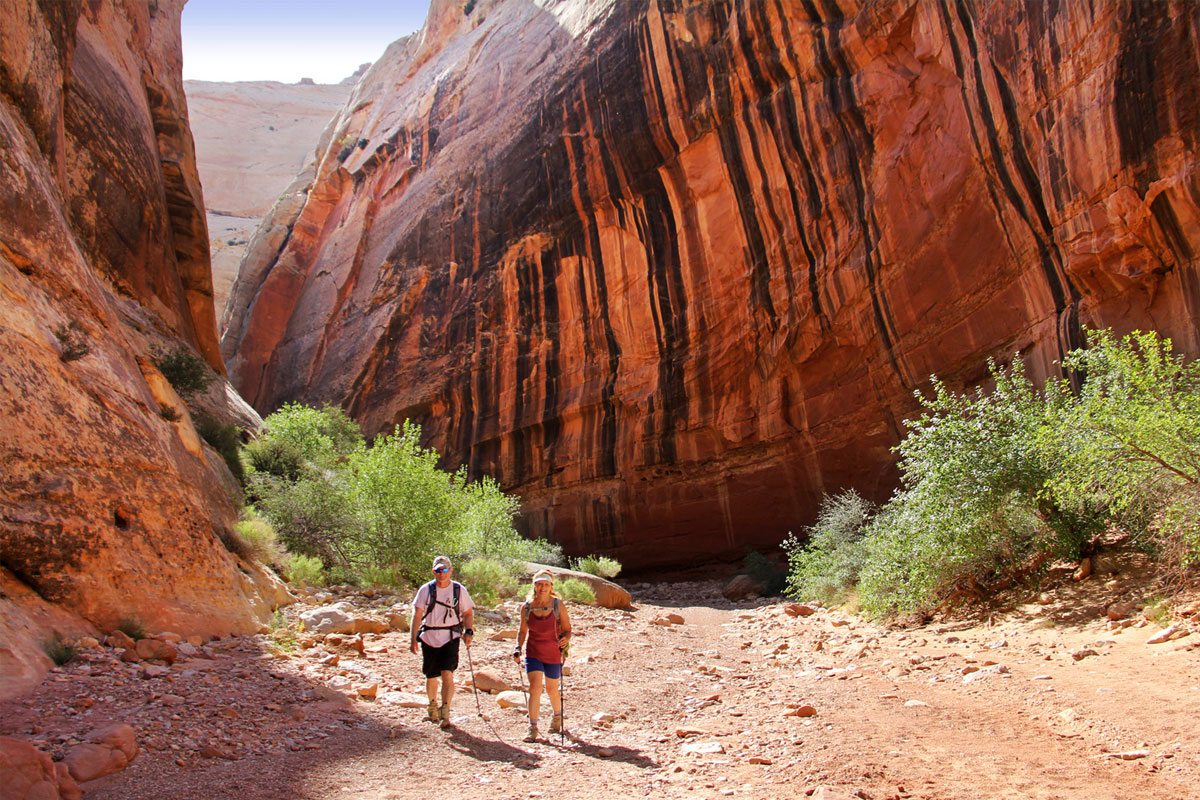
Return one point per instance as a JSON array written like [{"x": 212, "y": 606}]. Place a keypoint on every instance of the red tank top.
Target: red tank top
[{"x": 543, "y": 639}]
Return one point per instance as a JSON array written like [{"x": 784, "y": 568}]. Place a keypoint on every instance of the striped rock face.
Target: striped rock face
[{"x": 671, "y": 269}]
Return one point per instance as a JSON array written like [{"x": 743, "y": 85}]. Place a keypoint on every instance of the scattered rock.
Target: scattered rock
[
  {"x": 702, "y": 748},
  {"x": 29, "y": 774},
  {"x": 1121, "y": 610},
  {"x": 404, "y": 699},
  {"x": 511, "y": 699},
  {"x": 367, "y": 691},
  {"x": 1082, "y": 653},
  {"x": 606, "y": 752},
  {"x": 743, "y": 587},
  {"x": 156, "y": 650},
  {"x": 1129, "y": 755},
  {"x": 799, "y": 610},
  {"x": 675, "y": 619},
  {"x": 1084, "y": 571},
  {"x": 488, "y": 681},
  {"x": 801, "y": 711}
]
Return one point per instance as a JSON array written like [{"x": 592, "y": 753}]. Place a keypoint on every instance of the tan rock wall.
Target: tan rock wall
[
  {"x": 673, "y": 269},
  {"x": 107, "y": 509}
]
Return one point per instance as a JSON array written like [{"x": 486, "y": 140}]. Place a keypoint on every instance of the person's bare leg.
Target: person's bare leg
[
  {"x": 535, "y": 702},
  {"x": 447, "y": 696},
  {"x": 431, "y": 690},
  {"x": 555, "y": 703}
]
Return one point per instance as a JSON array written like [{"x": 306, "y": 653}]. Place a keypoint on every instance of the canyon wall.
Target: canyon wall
[
  {"x": 252, "y": 137},
  {"x": 111, "y": 506},
  {"x": 671, "y": 269}
]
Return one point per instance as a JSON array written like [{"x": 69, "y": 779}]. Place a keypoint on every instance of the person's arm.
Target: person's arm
[
  {"x": 468, "y": 619},
  {"x": 564, "y": 633},
  {"x": 522, "y": 632},
  {"x": 417, "y": 618}
]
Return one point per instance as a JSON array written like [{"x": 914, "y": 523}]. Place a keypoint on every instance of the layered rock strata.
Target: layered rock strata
[
  {"x": 111, "y": 507},
  {"x": 671, "y": 269}
]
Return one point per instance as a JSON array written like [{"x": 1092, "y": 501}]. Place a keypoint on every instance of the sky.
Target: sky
[{"x": 286, "y": 40}]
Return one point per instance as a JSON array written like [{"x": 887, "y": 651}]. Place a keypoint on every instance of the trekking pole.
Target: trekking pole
[
  {"x": 475, "y": 691},
  {"x": 562, "y": 702},
  {"x": 521, "y": 673}
]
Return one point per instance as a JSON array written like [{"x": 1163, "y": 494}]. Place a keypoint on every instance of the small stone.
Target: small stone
[
  {"x": 606, "y": 752},
  {"x": 799, "y": 610},
  {"x": 1130, "y": 755},
  {"x": 802, "y": 711},
  {"x": 702, "y": 748},
  {"x": 511, "y": 700},
  {"x": 367, "y": 691},
  {"x": 759, "y": 760},
  {"x": 1084, "y": 571},
  {"x": 915, "y": 703},
  {"x": 1082, "y": 653},
  {"x": 1118, "y": 611}
]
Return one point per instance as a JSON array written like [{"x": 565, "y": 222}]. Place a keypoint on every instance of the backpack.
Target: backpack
[
  {"x": 431, "y": 587},
  {"x": 526, "y": 608}
]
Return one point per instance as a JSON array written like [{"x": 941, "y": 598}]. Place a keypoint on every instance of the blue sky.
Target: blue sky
[{"x": 286, "y": 40}]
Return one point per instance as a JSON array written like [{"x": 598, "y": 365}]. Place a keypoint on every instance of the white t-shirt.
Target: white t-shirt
[{"x": 442, "y": 613}]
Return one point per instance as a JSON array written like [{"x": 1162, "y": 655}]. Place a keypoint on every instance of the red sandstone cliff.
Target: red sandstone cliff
[
  {"x": 107, "y": 509},
  {"x": 673, "y": 268}
]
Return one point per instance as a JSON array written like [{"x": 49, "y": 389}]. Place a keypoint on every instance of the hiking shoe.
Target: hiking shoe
[
  {"x": 433, "y": 712},
  {"x": 532, "y": 736},
  {"x": 556, "y": 724},
  {"x": 445, "y": 715}
]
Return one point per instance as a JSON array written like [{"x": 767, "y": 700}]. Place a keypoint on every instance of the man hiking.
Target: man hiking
[{"x": 443, "y": 615}]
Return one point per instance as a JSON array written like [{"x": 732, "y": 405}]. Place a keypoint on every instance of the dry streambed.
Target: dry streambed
[{"x": 688, "y": 696}]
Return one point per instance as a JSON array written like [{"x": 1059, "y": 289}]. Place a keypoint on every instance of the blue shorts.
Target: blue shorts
[{"x": 553, "y": 671}]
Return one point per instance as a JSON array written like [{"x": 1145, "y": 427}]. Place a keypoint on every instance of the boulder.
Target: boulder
[
  {"x": 608, "y": 594},
  {"x": 512, "y": 699},
  {"x": 743, "y": 587},
  {"x": 29, "y": 774},
  {"x": 488, "y": 681}
]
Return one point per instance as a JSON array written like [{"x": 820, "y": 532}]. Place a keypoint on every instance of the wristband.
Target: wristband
[{"x": 469, "y": 632}]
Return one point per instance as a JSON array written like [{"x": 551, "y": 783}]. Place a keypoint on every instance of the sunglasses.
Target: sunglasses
[{"x": 442, "y": 569}]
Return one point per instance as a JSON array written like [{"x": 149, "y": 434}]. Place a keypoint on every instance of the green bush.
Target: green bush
[
  {"x": 601, "y": 566},
  {"x": 380, "y": 509},
  {"x": 489, "y": 580},
  {"x": 825, "y": 566},
  {"x": 576, "y": 591},
  {"x": 260, "y": 541},
  {"x": 183, "y": 369},
  {"x": 226, "y": 439},
  {"x": 302, "y": 569},
  {"x": 132, "y": 627},
  {"x": 58, "y": 649}
]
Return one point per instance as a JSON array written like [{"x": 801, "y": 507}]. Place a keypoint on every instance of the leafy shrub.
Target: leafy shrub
[
  {"x": 601, "y": 566},
  {"x": 576, "y": 591},
  {"x": 489, "y": 580},
  {"x": 226, "y": 439},
  {"x": 58, "y": 649},
  {"x": 382, "y": 509},
  {"x": 132, "y": 627},
  {"x": 827, "y": 564},
  {"x": 73, "y": 339},
  {"x": 260, "y": 541},
  {"x": 1134, "y": 437},
  {"x": 275, "y": 457},
  {"x": 183, "y": 369},
  {"x": 302, "y": 569}
]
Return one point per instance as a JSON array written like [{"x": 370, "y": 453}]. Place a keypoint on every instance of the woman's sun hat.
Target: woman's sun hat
[{"x": 543, "y": 575}]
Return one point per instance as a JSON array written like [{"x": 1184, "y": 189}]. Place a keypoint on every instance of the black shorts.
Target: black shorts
[{"x": 436, "y": 660}]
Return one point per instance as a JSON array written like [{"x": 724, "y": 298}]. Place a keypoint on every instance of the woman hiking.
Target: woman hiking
[{"x": 546, "y": 627}]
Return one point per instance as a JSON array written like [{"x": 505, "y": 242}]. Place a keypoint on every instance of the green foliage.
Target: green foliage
[
  {"x": 1133, "y": 438},
  {"x": 73, "y": 339},
  {"x": 183, "y": 369},
  {"x": 601, "y": 566},
  {"x": 380, "y": 511},
  {"x": 302, "y": 570},
  {"x": 576, "y": 591},
  {"x": 132, "y": 627},
  {"x": 992, "y": 482},
  {"x": 260, "y": 541},
  {"x": 827, "y": 564},
  {"x": 58, "y": 649},
  {"x": 468, "y": 7},
  {"x": 489, "y": 580},
  {"x": 226, "y": 439}
]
